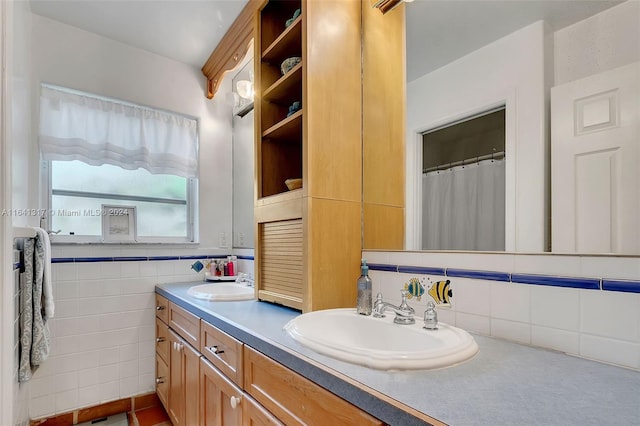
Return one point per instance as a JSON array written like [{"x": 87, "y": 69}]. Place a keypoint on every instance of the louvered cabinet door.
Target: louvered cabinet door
[{"x": 280, "y": 262}]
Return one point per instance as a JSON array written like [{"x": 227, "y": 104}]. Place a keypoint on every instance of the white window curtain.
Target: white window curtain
[
  {"x": 463, "y": 207},
  {"x": 97, "y": 131}
]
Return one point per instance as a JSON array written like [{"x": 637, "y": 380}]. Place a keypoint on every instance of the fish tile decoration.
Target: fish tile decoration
[
  {"x": 414, "y": 289},
  {"x": 441, "y": 292}
]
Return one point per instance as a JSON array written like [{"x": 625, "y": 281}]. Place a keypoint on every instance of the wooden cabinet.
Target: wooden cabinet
[
  {"x": 309, "y": 239},
  {"x": 295, "y": 399},
  {"x": 221, "y": 399},
  {"x": 226, "y": 382},
  {"x": 177, "y": 362},
  {"x": 254, "y": 414},
  {"x": 184, "y": 370}
]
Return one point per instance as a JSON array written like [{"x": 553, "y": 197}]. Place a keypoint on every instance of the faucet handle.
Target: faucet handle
[
  {"x": 430, "y": 317},
  {"x": 404, "y": 305}
]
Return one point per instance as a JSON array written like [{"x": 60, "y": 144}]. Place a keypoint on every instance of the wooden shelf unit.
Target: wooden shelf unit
[
  {"x": 279, "y": 151},
  {"x": 324, "y": 149}
]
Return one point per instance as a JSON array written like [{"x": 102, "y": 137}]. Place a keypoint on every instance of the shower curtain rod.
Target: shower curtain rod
[{"x": 446, "y": 166}]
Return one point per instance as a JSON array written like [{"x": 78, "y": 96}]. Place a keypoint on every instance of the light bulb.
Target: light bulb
[{"x": 245, "y": 89}]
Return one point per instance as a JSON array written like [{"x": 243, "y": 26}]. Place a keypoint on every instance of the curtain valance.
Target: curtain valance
[{"x": 98, "y": 131}]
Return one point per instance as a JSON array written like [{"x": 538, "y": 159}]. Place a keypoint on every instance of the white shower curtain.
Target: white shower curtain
[{"x": 463, "y": 207}]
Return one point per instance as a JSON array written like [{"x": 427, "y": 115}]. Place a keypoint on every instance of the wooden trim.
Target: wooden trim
[{"x": 232, "y": 48}]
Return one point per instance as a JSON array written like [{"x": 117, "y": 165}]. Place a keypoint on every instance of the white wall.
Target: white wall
[
  {"x": 508, "y": 71},
  {"x": 16, "y": 178},
  {"x": 103, "y": 331},
  {"x": 70, "y": 57},
  {"x": 608, "y": 40}
]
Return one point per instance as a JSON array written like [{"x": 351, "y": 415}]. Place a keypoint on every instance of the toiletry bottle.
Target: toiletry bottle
[
  {"x": 364, "y": 300},
  {"x": 232, "y": 271}
]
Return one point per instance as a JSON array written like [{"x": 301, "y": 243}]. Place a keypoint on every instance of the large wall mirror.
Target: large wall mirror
[
  {"x": 243, "y": 147},
  {"x": 556, "y": 82}
]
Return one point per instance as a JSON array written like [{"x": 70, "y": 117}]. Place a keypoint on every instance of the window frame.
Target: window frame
[{"x": 47, "y": 194}]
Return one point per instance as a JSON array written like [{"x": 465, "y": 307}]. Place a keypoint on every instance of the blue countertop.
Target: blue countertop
[{"x": 504, "y": 384}]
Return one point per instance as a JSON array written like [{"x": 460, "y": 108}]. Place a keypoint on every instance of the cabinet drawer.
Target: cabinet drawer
[
  {"x": 294, "y": 399},
  {"x": 222, "y": 350},
  {"x": 254, "y": 414},
  {"x": 162, "y": 308},
  {"x": 162, "y": 340},
  {"x": 162, "y": 381},
  {"x": 185, "y": 324}
]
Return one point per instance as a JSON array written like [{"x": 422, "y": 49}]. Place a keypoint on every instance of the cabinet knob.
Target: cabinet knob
[
  {"x": 160, "y": 308},
  {"x": 160, "y": 339},
  {"x": 159, "y": 380},
  {"x": 235, "y": 401},
  {"x": 235, "y": 57}
]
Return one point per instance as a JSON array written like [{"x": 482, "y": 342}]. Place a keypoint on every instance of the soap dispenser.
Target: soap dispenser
[{"x": 364, "y": 301}]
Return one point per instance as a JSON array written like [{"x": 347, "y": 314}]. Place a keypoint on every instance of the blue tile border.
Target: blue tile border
[
  {"x": 92, "y": 259},
  {"x": 62, "y": 260},
  {"x": 245, "y": 257},
  {"x": 164, "y": 257},
  {"x": 586, "y": 283},
  {"x": 140, "y": 258},
  {"x": 424, "y": 270},
  {"x": 382, "y": 267},
  {"x": 482, "y": 275},
  {"x": 571, "y": 282},
  {"x": 130, "y": 259},
  {"x": 621, "y": 285}
]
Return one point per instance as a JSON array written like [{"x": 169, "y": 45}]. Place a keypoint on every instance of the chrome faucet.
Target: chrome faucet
[
  {"x": 404, "y": 312},
  {"x": 245, "y": 278}
]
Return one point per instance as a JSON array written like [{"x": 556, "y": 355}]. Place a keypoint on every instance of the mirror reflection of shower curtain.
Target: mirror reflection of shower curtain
[{"x": 463, "y": 207}]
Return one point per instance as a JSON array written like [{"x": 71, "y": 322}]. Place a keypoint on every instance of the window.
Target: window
[
  {"x": 104, "y": 151},
  {"x": 78, "y": 190}
]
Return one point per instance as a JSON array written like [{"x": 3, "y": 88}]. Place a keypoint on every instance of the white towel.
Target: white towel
[{"x": 47, "y": 287}]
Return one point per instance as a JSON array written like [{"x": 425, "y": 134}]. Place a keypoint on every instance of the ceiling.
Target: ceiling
[
  {"x": 184, "y": 30},
  {"x": 438, "y": 31}
]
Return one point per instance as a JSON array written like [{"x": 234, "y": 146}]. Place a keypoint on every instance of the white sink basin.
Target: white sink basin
[
  {"x": 221, "y": 291},
  {"x": 378, "y": 342}
]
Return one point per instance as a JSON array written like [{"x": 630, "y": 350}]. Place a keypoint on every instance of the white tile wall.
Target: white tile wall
[
  {"x": 595, "y": 324},
  {"x": 103, "y": 345}
]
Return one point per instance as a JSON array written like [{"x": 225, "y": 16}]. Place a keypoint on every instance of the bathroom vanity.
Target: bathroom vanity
[{"x": 505, "y": 383}]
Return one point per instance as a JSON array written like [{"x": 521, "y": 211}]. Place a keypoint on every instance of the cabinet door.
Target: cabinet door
[
  {"x": 220, "y": 399},
  {"x": 162, "y": 381},
  {"x": 254, "y": 414},
  {"x": 183, "y": 382},
  {"x": 176, "y": 384}
]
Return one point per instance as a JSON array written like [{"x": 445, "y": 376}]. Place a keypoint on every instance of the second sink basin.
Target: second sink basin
[
  {"x": 221, "y": 291},
  {"x": 378, "y": 342}
]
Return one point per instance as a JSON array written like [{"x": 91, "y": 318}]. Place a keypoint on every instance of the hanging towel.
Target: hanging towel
[
  {"x": 35, "y": 339},
  {"x": 41, "y": 271},
  {"x": 42, "y": 237},
  {"x": 26, "y": 311}
]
